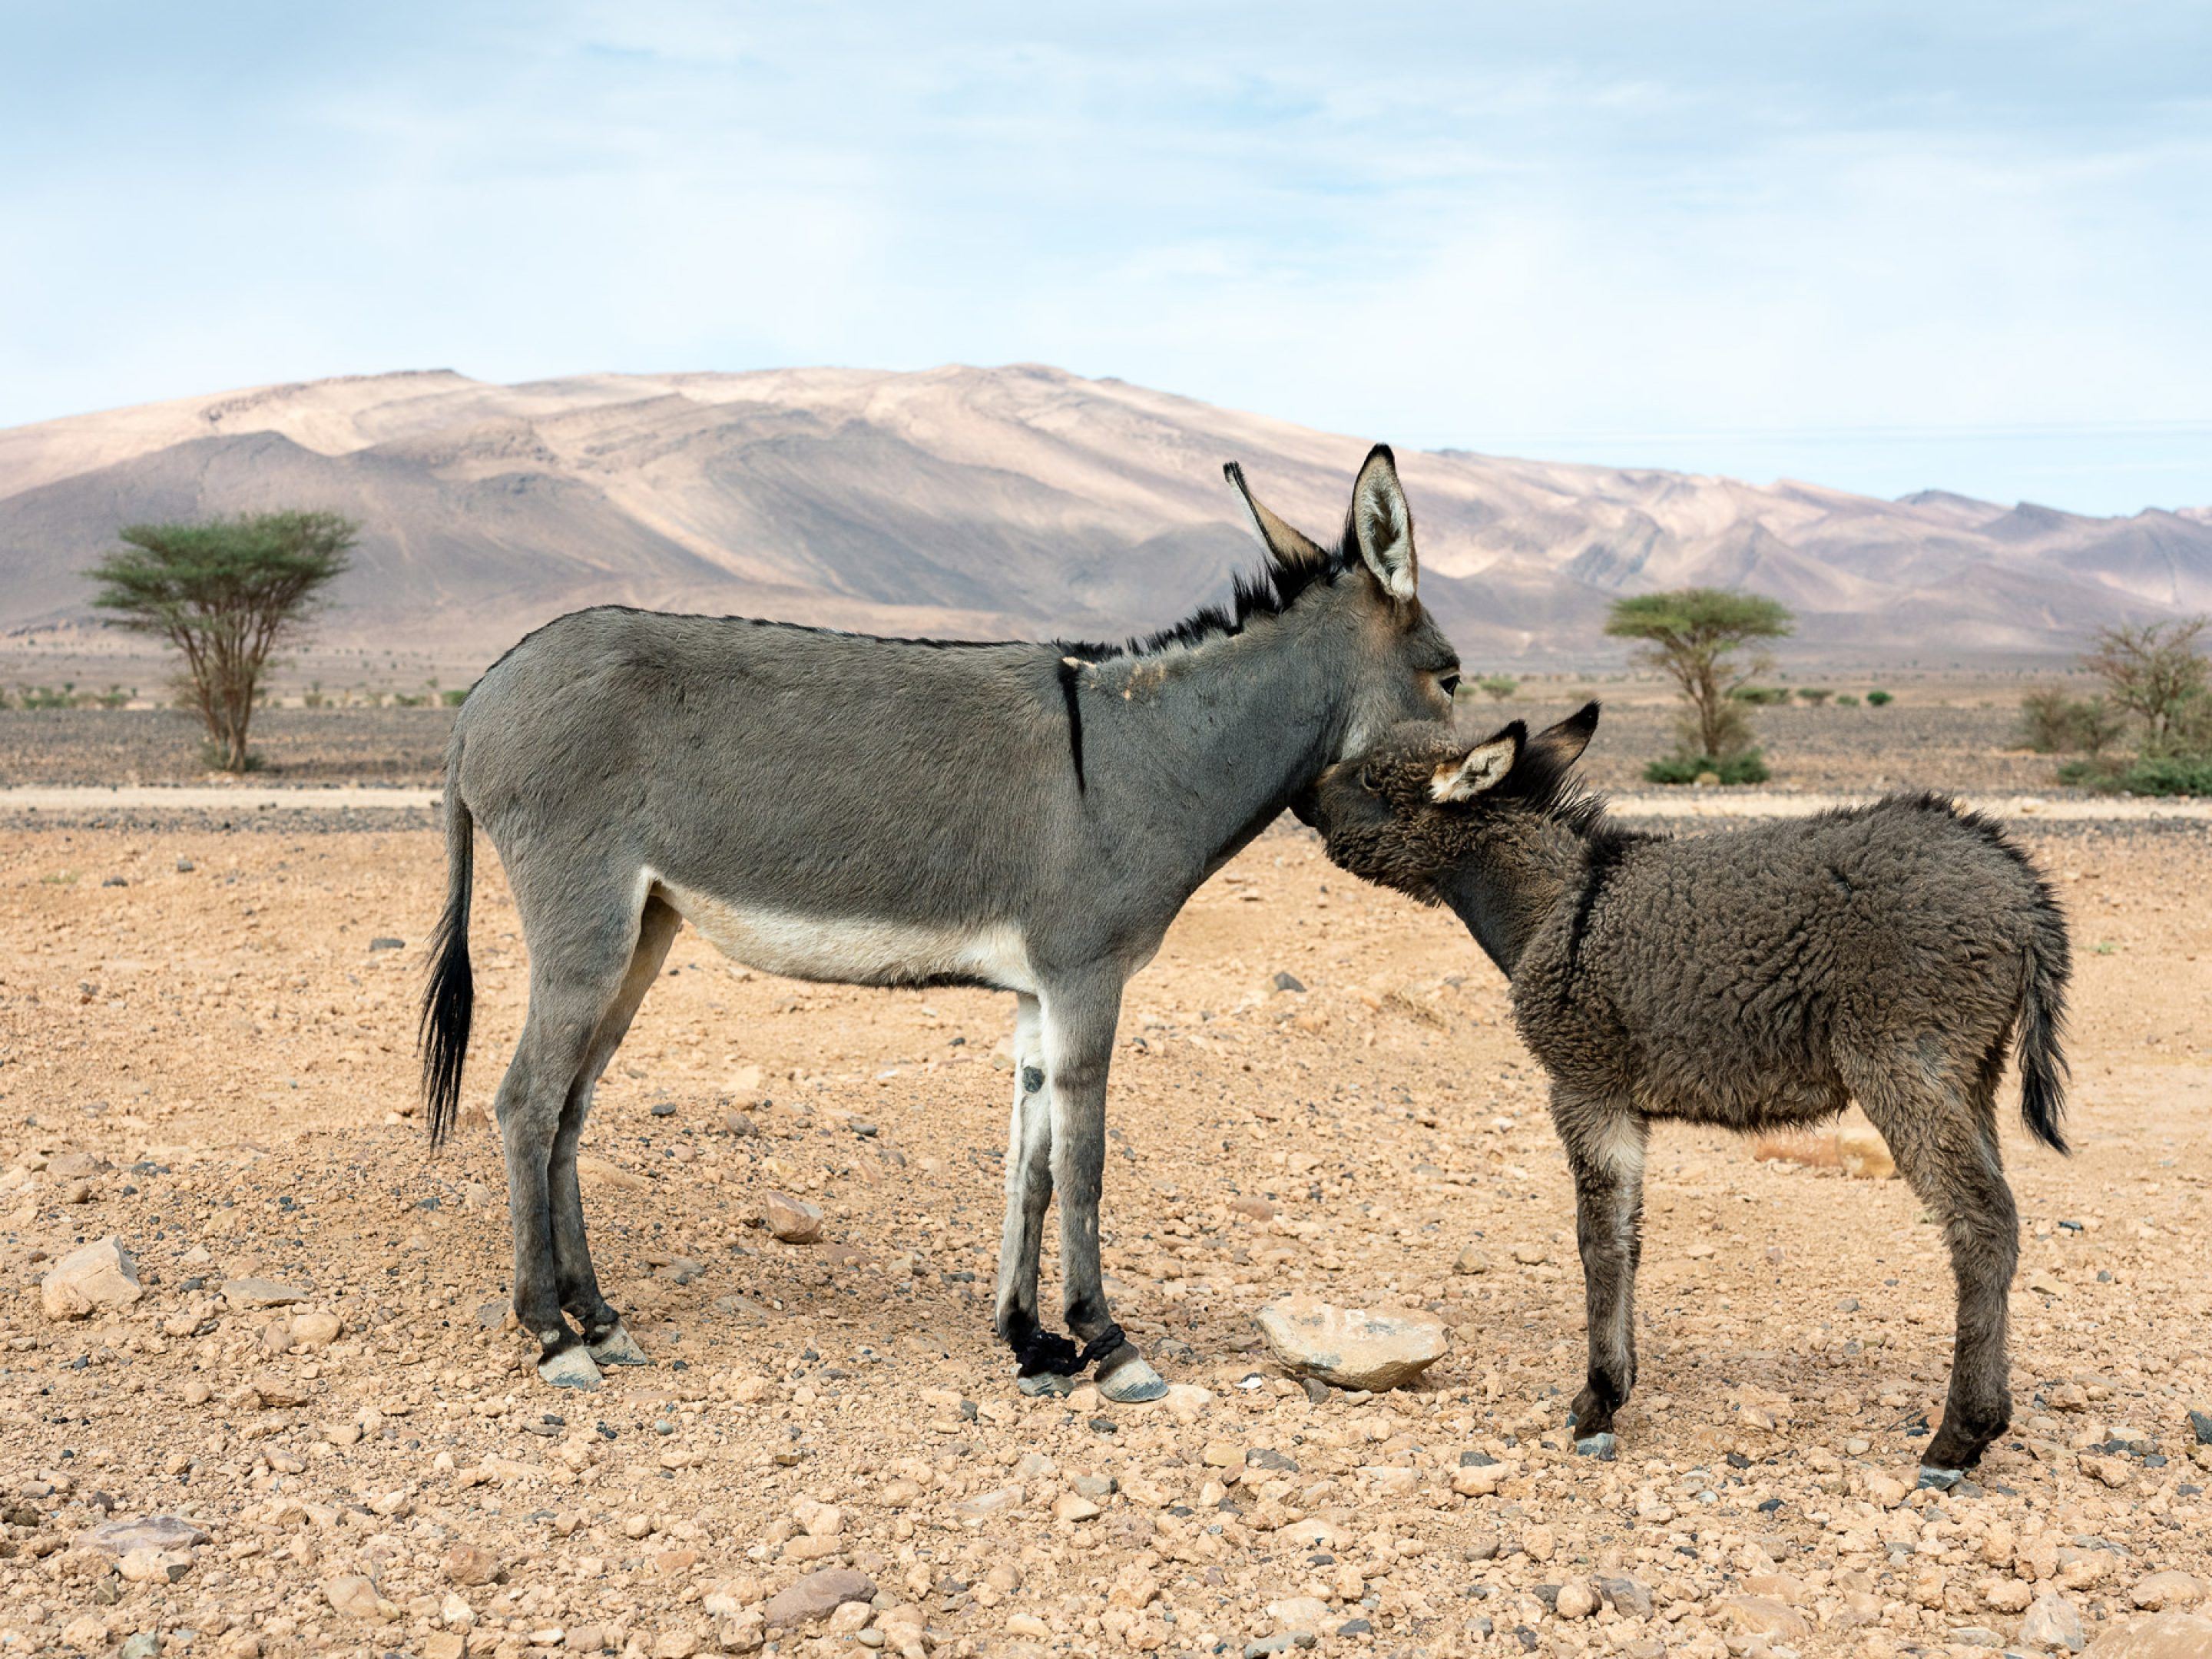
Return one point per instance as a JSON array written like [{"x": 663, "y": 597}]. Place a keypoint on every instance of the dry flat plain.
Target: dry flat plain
[{"x": 205, "y": 1053}]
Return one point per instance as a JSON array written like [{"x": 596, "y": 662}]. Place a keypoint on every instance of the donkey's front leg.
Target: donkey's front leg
[
  {"x": 1048, "y": 1360},
  {"x": 1078, "y": 1042},
  {"x": 1605, "y": 1148}
]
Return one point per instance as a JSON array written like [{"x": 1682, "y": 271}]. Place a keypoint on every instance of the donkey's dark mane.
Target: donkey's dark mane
[{"x": 1268, "y": 593}]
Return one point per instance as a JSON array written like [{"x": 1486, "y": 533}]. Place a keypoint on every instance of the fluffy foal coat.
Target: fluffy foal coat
[{"x": 1758, "y": 978}]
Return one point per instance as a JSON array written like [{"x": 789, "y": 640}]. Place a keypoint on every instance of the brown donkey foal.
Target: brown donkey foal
[{"x": 1757, "y": 978}]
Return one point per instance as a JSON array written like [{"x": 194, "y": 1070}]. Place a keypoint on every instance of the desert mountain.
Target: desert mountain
[{"x": 1021, "y": 501}]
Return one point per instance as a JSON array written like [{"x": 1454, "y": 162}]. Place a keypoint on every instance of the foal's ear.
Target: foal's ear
[
  {"x": 1382, "y": 525},
  {"x": 1285, "y": 546},
  {"x": 1483, "y": 766},
  {"x": 1562, "y": 746}
]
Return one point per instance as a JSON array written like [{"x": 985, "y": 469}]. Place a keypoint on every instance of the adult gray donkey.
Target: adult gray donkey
[{"x": 1023, "y": 816}]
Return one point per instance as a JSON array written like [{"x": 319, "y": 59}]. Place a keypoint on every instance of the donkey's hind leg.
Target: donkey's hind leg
[
  {"x": 1942, "y": 1131},
  {"x": 578, "y": 959},
  {"x": 1047, "y": 1359},
  {"x": 1605, "y": 1140},
  {"x": 610, "y": 1344}
]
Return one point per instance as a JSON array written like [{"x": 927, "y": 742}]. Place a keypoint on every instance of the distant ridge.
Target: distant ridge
[{"x": 1019, "y": 500}]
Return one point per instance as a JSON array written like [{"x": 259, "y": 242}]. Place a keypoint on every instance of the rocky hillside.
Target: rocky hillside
[{"x": 1019, "y": 500}]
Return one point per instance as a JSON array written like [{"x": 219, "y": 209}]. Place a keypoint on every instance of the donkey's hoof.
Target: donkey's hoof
[
  {"x": 571, "y": 1368},
  {"x": 1935, "y": 1480},
  {"x": 618, "y": 1347},
  {"x": 1603, "y": 1447},
  {"x": 1133, "y": 1382},
  {"x": 1040, "y": 1384}
]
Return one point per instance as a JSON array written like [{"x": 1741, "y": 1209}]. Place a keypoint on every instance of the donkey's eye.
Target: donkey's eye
[
  {"x": 1369, "y": 782},
  {"x": 1449, "y": 684}
]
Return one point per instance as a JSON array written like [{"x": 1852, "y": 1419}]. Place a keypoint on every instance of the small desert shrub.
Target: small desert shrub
[
  {"x": 1746, "y": 768},
  {"x": 1499, "y": 686},
  {"x": 2152, "y": 774},
  {"x": 44, "y": 696},
  {"x": 1845, "y": 700},
  {"x": 1878, "y": 699},
  {"x": 1815, "y": 695},
  {"x": 219, "y": 757},
  {"x": 1761, "y": 697},
  {"x": 454, "y": 696},
  {"x": 2052, "y": 723}
]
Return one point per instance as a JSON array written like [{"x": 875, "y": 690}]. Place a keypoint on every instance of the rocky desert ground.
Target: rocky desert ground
[{"x": 263, "y": 1397}]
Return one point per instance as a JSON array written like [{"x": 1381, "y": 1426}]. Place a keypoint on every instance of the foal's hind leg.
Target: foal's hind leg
[
  {"x": 1942, "y": 1131},
  {"x": 1047, "y": 1359},
  {"x": 610, "y": 1344},
  {"x": 1605, "y": 1141}
]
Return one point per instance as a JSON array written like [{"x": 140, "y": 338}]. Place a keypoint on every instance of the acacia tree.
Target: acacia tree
[
  {"x": 1691, "y": 634},
  {"x": 225, "y": 593},
  {"x": 2153, "y": 670}
]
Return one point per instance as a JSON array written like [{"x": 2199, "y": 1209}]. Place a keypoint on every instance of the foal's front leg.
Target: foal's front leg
[
  {"x": 1079, "y": 1032},
  {"x": 1605, "y": 1144}
]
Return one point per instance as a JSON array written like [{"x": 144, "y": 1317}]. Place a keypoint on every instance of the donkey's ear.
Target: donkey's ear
[
  {"x": 1382, "y": 525},
  {"x": 1483, "y": 766},
  {"x": 1562, "y": 746},
  {"x": 1285, "y": 546}
]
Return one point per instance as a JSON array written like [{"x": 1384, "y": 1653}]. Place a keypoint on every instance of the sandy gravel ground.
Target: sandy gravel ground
[{"x": 206, "y": 1053}]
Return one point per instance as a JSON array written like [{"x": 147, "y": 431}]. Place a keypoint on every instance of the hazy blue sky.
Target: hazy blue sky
[{"x": 1878, "y": 245}]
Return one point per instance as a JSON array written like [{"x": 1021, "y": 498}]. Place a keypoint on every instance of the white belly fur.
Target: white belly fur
[{"x": 852, "y": 950}]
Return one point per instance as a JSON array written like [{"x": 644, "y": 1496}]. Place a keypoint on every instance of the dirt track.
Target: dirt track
[
  {"x": 211, "y": 1064},
  {"x": 1954, "y": 737}
]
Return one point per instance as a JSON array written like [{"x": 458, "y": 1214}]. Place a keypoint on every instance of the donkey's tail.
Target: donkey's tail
[
  {"x": 2043, "y": 1070},
  {"x": 450, "y": 998}
]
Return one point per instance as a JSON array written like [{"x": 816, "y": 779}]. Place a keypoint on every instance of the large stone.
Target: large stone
[
  {"x": 2051, "y": 1622},
  {"x": 2160, "y": 1636},
  {"x": 246, "y": 1294},
  {"x": 1626, "y": 1596},
  {"x": 314, "y": 1330},
  {"x": 793, "y": 1220},
  {"x": 470, "y": 1564},
  {"x": 1352, "y": 1347},
  {"x": 148, "y": 1532},
  {"x": 1302, "y": 1614},
  {"x": 356, "y": 1598},
  {"x": 1761, "y": 1615},
  {"x": 817, "y": 1596},
  {"x": 100, "y": 1274},
  {"x": 2163, "y": 1592},
  {"x": 1854, "y": 1145}
]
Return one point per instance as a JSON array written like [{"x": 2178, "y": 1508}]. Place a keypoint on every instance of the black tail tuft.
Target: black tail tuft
[
  {"x": 2043, "y": 1070},
  {"x": 449, "y": 1000}
]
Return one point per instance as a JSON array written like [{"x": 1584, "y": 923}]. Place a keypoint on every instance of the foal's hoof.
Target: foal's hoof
[
  {"x": 1041, "y": 1384},
  {"x": 1600, "y": 1446},
  {"x": 618, "y": 1347},
  {"x": 1131, "y": 1383},
  {"x": 571, "y": 1368},
  {"x": 1935, "y": 1480}
]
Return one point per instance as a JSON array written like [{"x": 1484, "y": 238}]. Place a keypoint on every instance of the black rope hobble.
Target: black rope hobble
[
  {"x": 1041, "y": 1351},
  {"x": 1102, "y": 1346}
]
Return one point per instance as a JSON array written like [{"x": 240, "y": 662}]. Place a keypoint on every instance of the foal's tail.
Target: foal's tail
[
  {"x": 450, "y": 997},
  {"x": 2043, "y": 1070}
]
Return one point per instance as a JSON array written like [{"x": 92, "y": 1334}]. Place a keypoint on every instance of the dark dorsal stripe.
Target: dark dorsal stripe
[{"x": 1069, "y": 668}]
